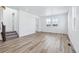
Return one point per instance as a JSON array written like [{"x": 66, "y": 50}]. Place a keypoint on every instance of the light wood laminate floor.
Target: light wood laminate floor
[{"x": 37, "y": 43}]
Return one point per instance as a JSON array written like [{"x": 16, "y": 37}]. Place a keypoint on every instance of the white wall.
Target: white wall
[
  {"x": 38, "y": 24},
  {"x": 27, "y": 24},
  {"x": 8, "y": 19},
  {"x": 73, "y": 27},
  {"x": 24, "y": 23},
  {"x": 61, "y": 28},
  {"x": 1, "y": 13}
]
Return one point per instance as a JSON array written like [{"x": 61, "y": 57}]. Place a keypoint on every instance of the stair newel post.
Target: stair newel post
[{"x": 3, "y": 32}]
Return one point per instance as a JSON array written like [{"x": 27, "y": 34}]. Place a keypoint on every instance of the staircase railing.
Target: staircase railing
[{"x": 3, "y": 33}]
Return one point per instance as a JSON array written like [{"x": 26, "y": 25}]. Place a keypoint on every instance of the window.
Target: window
[
  {"x": 48, "y": 21},
  {"x": 52, "y": 21}
]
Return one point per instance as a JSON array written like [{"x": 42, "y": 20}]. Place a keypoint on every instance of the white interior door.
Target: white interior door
[{"x": 77, "y": 20}]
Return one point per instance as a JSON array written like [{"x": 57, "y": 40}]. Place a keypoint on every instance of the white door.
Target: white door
[{"x": 77, "y": 20}]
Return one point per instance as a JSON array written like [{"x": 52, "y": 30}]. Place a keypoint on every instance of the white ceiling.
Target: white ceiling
[{"x": 43, "y": 10}]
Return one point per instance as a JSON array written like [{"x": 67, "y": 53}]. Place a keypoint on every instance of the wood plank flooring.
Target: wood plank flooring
[{"x": 37, "y": 43}]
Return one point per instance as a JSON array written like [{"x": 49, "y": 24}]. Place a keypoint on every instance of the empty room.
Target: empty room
[{"x": 39, "y": 29}]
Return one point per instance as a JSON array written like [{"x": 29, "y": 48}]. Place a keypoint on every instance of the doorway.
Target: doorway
[{"x": 10, "y": 19}]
